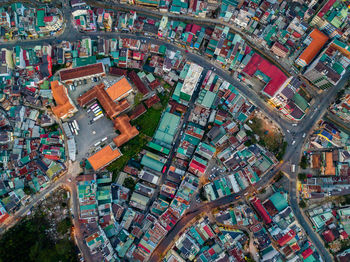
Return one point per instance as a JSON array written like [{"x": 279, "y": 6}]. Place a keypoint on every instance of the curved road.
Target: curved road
[{"x": 293, "y": 152}]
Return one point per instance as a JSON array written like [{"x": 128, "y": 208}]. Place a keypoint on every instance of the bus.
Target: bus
[
  {"x": 97, "y": 117},
  {"x": 104, "y": 139},
  {"x": 76, "y": 125},
  {"x": 99, "y": 113},
  {"x": 97, "y": 109},
  {"x": 96, "y": 144},
  {"x": 93, "y": 106}
]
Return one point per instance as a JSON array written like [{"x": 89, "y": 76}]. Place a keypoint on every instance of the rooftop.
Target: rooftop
[
  {"x": 80, "y": 72},
  {"x": 103, "y": 157},
  {"x": 126, "y": 130},
  {"x": 64, "y": 106},
  {"x": 98, "y": 92},
  {"x": 119, "y": 90},
  {"x": 318, "y": 40}
]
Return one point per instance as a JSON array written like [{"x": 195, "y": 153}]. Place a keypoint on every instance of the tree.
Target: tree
[
  {"x": 137, "y": 98},
  {"x": 202, "y": 195},
  {"x": 304, "y": 162},
  {"x": 129, "y": 183},
  {"x": 302, "y": 203},
  {"x": 262, "y": 191},
  {"x": 64, "y": 225},
  {"x": 279, "y": 176},
  {"x": 27, "y": 190},
  {"x": 301, "y": 176}
]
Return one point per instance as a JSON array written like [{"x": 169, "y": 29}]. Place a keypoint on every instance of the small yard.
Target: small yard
[
  {"x": 270, "y": 137},
  {"x": 129, "y": 150},
  {"x": 147, "y": 125}
]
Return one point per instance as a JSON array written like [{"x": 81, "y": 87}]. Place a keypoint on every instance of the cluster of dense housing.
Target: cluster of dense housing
[
  {"x": 206, "y": 241},
  {"x": 328, "y": 158},
  {"x": 283, "y": 238},
  {"x": 332, "y": 223},
  {"x": 20, "y": 22},
  {"x": 163, "y": 190},
  {"x": 232, "y": 52}
]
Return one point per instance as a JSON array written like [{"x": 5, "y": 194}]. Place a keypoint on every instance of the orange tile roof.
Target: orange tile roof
[
  {"x": 330, "y": 168},
  {"x": 63, "y": 105},
  {"x": 318, "y": 41},
  {"x": 344, "y": 51},
  {"x": 82, "y": 71},
  {"x": 98, "y": 92},
  {"x": 119, "y": 90},
  {"x": 92, "y": 237},
  {"x": 103, "y": 157},
  {"x": 126, "y": 130}
]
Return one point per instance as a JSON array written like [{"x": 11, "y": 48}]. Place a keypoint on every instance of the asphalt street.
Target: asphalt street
[{"x": 297, "y": 132}]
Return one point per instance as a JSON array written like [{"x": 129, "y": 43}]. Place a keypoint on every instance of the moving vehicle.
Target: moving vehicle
[{"x": 293, "y": 168}]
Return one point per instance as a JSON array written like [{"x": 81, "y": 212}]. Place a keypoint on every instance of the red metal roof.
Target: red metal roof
[
  {"x": 326, "y": 7},
  {"x": 286, "y": 238},
  {"x": 328, "y": 236},
  {"x": 152, "y": 100},
  {"x": 306, "y": 253},
  {"x": 198, "y": 166},
  {"x": 277, "y": 77},
  {"x": 261, "y": 210},
  {"x": 208, "y": 231}
]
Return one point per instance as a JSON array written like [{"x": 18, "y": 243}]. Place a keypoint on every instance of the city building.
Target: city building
[{"x": 64, "y": 105}]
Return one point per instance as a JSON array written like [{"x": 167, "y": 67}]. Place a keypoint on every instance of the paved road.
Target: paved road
[
  {"x": 292, "y": 156},
  {"x": 296, "y": 133},
  {"x": 70, "y": 184},
  {"x": 191, "y": 19}
]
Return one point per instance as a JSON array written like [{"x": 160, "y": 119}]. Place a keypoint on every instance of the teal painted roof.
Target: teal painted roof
[
  {"x": 279, "y": 201},
  {"x": 152, "y": 163}
]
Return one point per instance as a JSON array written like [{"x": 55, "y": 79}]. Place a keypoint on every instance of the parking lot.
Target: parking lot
[{"x": 91, "y": 133}]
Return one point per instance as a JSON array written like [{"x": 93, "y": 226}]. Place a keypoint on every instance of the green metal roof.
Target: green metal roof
[
  {"x": 152, "y": 163},
  {"x": 279, "y": 201},
  {"x": 167, "y": 128},
  {"x": 40, "y": 17},
  {"x": 300, "y": 102}
]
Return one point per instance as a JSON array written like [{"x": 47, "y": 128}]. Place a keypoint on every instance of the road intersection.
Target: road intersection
[{"x": 295, "y": 138}]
